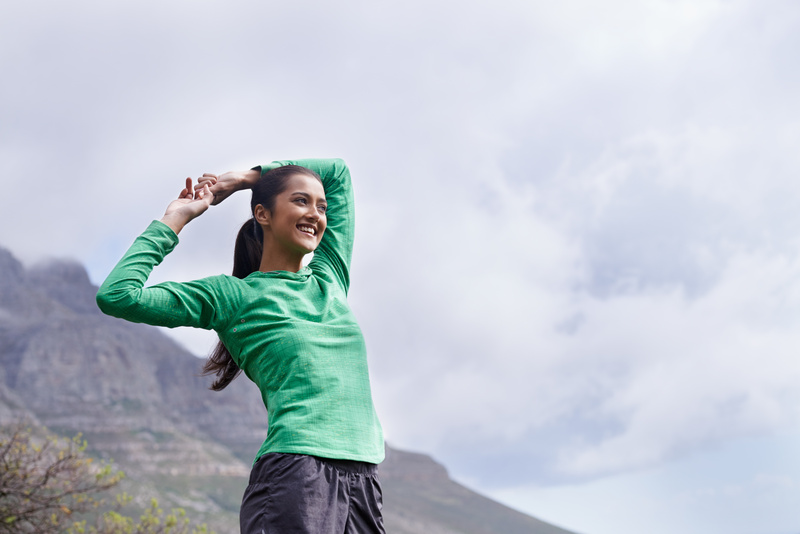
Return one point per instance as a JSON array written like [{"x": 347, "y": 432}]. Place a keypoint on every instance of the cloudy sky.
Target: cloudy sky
[{"x": 577, "y": 264}]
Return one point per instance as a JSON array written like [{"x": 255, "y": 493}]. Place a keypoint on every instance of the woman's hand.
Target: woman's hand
[
  {"x": 190, "y": 204},
  {"x": 224, "y": 185}
]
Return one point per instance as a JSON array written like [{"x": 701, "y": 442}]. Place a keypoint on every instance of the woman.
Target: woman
[{"x": 291, "y": 331}]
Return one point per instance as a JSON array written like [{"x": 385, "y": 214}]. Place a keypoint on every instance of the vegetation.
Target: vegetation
[
  {"x": 48, "y": 485},
  {"x": 153, "y": 521}
]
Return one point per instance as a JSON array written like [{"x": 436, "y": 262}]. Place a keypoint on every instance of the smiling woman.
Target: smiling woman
[{"x": 291, "y": 331}]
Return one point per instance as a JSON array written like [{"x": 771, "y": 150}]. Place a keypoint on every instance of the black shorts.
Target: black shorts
[{"x": 295, "y": 493}]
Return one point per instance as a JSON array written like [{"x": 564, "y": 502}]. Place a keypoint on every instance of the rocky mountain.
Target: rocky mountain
[{"x": 135, "y": 396}]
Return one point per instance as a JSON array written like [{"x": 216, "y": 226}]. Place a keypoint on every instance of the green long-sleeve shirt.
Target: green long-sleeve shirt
[{"x": 293, "y": 334}]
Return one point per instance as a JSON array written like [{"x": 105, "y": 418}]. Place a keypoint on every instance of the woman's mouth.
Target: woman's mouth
[{"x": 310, "y": 230}]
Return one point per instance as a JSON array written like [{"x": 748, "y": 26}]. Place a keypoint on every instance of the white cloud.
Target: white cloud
[
  {"x": 699, "y": 371},
  {"x": 742, "y": 486}
]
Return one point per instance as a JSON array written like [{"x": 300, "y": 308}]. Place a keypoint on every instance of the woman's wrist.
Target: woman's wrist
[
  {"x": 174, "y": 221},
  {"x": 250, "y": 178}
]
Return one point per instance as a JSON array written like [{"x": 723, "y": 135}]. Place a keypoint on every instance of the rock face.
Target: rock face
[{"x": 136, "y": 397}]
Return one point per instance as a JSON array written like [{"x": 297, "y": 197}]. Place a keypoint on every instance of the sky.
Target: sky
[{"x": 576, "y": 263}]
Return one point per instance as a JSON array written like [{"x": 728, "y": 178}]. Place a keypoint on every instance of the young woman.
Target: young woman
[{"x": 291, "y": 331}]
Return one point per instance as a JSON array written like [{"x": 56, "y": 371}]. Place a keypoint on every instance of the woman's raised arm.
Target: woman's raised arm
[{"x": 123, "y": 294}]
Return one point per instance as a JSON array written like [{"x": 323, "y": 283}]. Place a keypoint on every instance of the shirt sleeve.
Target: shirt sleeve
[
  {"x": 170, "y": 304},
  {"x": 336, "y": 248}
]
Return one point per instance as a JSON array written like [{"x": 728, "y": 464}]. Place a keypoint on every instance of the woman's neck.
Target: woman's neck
[{"x": 275, "y": 259}]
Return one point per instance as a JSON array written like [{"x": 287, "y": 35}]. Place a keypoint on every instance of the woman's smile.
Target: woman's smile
[{"x": 310, "y": 230}]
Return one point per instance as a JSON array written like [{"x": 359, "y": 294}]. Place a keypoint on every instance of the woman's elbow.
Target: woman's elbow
[{"x": 111, "y": 302}]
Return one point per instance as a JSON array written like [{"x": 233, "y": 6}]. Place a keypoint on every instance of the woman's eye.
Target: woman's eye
[
  {"x": 301, "y": 200},
  {"x": 323, "y": 209}
]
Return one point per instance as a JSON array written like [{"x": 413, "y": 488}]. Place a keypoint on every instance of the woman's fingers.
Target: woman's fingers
[
  {"x": 204, "y": 193},
  {"x": 187, "y": 191},
  {"x": 207, "y": 178}
]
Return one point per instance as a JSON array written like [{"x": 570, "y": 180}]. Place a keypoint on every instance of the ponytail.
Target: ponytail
[
  {"x": 246, "y": 260},
  {"x": 248, "y": 249}
]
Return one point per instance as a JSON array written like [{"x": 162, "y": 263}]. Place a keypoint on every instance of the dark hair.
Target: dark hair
[{"x": 247, "y": 259}]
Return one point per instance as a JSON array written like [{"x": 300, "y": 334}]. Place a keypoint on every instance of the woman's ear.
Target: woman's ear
[{"x": 261, "y": 215}]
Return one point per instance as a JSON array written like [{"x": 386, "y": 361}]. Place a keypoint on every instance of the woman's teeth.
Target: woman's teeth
[{"x": 307, "y": 229}]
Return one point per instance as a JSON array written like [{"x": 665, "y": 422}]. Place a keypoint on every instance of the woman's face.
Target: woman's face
[{"x": 297, "y": 220}]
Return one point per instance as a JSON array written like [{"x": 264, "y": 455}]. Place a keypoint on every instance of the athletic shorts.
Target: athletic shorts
[{"x": 295, "y": 493}]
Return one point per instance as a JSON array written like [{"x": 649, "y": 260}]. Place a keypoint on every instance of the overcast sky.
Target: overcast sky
[{"x": 577, "y": 260}]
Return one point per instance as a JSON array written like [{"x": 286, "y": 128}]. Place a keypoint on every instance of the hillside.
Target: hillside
[{"x": 135, "y": 396}]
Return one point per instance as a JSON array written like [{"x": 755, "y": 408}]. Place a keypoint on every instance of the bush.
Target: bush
[
  {"x": 47, "y": 484},
  {"x": 153, "y": 521}
]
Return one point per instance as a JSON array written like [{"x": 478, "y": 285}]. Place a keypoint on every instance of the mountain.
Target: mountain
[{"x": 135, "y": 396}]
